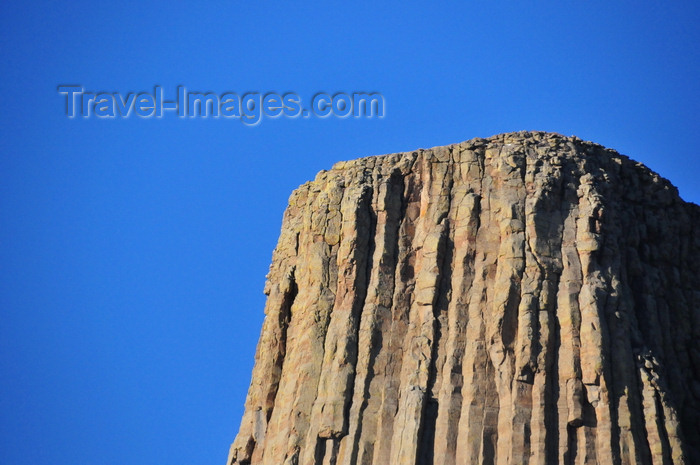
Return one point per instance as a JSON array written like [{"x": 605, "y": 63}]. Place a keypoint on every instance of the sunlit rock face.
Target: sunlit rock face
[{"x": 524, "y": 299}]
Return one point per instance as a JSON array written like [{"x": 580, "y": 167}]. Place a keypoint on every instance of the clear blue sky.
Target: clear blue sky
[{"x": 133, "y": 251}]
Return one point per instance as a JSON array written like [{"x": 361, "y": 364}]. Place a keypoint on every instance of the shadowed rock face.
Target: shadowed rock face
[{"x": 524, "y": 299}]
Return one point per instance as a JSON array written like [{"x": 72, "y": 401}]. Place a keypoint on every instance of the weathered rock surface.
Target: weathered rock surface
[{"x": 524, "y": 299}]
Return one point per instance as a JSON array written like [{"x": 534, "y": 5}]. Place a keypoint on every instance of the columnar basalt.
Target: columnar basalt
[{"x": 524, "y": 299}]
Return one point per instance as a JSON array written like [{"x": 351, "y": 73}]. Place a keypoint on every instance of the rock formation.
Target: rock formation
[{"x": 524, "y": 299}]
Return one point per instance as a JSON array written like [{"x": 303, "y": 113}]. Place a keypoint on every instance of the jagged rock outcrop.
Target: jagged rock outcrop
[{"x": 524, "y": 299}]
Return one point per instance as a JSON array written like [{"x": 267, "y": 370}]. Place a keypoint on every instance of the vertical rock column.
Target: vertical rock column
[{"x": 524, "y": 299}]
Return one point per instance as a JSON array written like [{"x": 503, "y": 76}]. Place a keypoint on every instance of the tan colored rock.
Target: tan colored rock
[{"x": 524, "y": 299}]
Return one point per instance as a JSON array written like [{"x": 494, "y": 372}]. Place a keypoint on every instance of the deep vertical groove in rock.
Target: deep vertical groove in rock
[
  {"x": 377, "y": 304},
  {"x": 443, "y": 293},
  {"x": 330, "y": 409},
  {"x": 464, "y": 223},
  {"x": 524, "y": 299},
  {"x": 401, "y": 299},
  {"x": 429, "y": 243}
]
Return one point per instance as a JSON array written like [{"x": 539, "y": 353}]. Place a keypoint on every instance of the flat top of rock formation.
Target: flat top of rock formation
[{"x": 546, "y": 145}]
